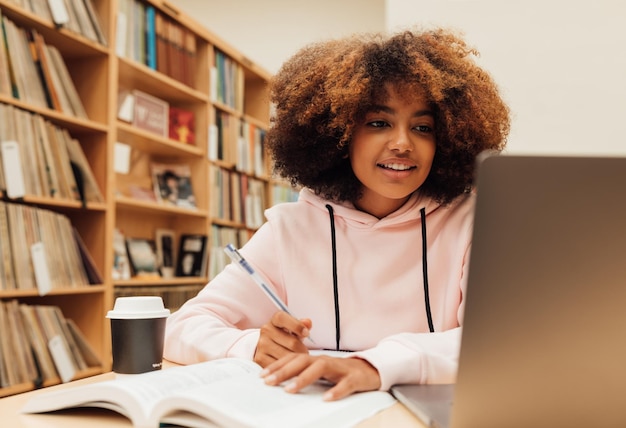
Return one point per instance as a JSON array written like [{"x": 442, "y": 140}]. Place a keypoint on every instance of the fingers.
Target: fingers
[
  {"x": 347, "y": 374},
  {"x": 281, "y": 336},
  {"x": 299, "y": 328}
]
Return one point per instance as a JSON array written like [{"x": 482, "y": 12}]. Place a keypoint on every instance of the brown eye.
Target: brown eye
[
  {"x": 377, "y": 124},
  {"x": 423, "y": 128}
]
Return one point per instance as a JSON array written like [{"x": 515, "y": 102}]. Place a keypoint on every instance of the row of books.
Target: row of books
[
  {"x": 39, "y": 249},
  {"x": 237, "y": 197},
  {"x": 40, "y": 347},
  {"x": 173, "y": 296},
  {"x": 41, "y": 159},
  {"x": 238, "y": 142},
  {"x": 220, "y": 237},
  {"x": 149, "y": 37},
  {"x": 78, "y": 16},
  {"x": 227, "y": 81},
  {"x": 35, "y": 72}
]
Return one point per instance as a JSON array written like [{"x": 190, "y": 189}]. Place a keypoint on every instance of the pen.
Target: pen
[{"x": 238, "y": 259}]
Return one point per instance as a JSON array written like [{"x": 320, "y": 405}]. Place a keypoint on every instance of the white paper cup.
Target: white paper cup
[{"x": 137, "y": 333}]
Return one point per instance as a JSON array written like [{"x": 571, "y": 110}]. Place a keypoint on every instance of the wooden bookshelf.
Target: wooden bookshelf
[{"x": 102, "y": 73}]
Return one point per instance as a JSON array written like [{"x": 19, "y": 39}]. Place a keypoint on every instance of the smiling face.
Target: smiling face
[{"x": 392, "y": 151}]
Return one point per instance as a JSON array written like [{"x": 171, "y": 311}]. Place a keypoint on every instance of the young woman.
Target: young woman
[{"x": 382, "y": 134}]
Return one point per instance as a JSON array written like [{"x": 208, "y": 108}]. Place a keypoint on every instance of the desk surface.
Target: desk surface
[{"x": 395, "y": 416}]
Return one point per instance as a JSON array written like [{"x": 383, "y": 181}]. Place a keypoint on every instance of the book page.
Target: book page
[
  {"x": 135, "y": 396},
  {"x": 246, "y": 401}
]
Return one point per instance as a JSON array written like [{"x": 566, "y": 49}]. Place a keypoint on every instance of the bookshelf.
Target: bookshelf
[{"x": 203, "y": 77}]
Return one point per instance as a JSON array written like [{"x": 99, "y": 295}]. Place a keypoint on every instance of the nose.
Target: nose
[{"x": 400, "y": 141}]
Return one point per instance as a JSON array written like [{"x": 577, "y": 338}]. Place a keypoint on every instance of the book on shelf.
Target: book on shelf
[
  {"x": 190, "y": 57},
  {"x": 121, "y": 264},
  {"x": 166, "y": 251},
  {"x": 126, "y": 106},
  {"x": 28, "y": 228},
  {"x": 122, "y": 31},
  {"x": 182, "y": 125},
  {"x": 150, "y": 113},
  {"x": 95, "y": 19},
  {"x": 192, "y": 255},
  {"x": 53, "y": 163},
  {"x": 7, "y": 275},
  {"x": 91, "y": 270},
  {"x": 172, "y": 184},
  {"x": 67, "y": 87},
  {"x": 17, "y": 365},
  {"x": 151, "y": 49},
  {"x": 59, "y": 13},
  {"x": 12, "y": 166},
  {"x": 88, "y": 188},
  {"x": 162, "y": 63},
  {"x": 174, "y": 50},
  {"x": 139, "y": 32},
  {"x": 61, "y": 345},
  {"x": 27, "y": 85},
  {"x": 142, "y": 256},
  {"x": 39, "y": 346},
  {"x": 78, "y": 16},
  {"x": 5, "y": 71},
  {"x": 225, "y": 392},
  {"x": 38, "y": 61},
  {"x": 228, "y": 81},
  {"x": 84, "y": 24},
  {"x": 150, "y": 37},
  {"x": 220, "y": 237},
  {"x": 255, "y": 203}
]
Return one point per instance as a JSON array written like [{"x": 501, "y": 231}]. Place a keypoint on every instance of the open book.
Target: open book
[{"x": 226, "y": 392}]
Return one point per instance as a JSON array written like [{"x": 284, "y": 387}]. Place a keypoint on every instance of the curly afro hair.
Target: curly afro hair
[{"x": 324, "y": 89}]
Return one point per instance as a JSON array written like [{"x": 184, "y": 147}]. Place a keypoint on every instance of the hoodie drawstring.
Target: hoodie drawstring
[
  {"x": 425, "y": 271},
  {"x": 336, "y": 289}
]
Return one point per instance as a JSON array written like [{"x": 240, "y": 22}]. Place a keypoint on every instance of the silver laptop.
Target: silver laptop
[{"x": 544, "y": 336}]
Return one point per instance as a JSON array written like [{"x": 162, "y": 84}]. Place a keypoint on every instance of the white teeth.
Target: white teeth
[{"x": 396, "y": 166}]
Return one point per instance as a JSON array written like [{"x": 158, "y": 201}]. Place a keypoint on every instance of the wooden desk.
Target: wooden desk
[{"x": 10, "y": 416}]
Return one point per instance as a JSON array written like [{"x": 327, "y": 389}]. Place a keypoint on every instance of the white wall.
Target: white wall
[
  {"x": 270, "y": 31},
  {"x": 561, "y": 65}
]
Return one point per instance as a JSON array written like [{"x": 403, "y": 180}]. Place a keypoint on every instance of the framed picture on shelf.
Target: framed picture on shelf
[
  {"x": 192, "y": 255},
  {"x": 172, "y": 184},
  {"x": 142, "y": 256},
  {"x": 150, "y": 113},
  {"x": 165, "y": 252}
]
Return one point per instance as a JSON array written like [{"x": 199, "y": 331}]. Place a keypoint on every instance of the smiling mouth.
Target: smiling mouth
[{"x": 396, "y": 166}]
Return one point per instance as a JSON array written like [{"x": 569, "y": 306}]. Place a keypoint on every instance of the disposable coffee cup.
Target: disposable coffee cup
[{"x": 137, "y": 333}]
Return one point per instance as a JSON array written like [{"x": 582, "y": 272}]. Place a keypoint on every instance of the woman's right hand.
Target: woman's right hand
[{"x": 282, "y": 335}]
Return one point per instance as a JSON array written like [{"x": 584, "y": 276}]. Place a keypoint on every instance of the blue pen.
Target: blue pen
[{"x": 238, "y": 259}]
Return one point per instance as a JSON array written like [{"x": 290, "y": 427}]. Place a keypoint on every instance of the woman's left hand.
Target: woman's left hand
[{"x": 347, "y": 374}]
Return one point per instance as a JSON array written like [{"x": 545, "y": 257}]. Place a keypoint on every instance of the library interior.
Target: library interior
[{"x": 132, "y": 152}]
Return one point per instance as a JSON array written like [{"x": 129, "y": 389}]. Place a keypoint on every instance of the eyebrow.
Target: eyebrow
[{"x": 385, "y": 109}]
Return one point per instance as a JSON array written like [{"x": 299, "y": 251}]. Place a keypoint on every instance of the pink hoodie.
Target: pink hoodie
[{"x": 380, "y": 288}]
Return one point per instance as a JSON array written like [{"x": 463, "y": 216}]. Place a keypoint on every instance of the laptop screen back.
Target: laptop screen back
[{"x": 544, "y": 337}]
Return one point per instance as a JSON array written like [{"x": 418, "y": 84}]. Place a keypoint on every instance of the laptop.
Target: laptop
[{"x": 544, "y": 330}]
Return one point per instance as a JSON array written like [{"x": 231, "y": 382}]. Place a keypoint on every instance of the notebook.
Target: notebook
[{"x": 544, "y": 335}]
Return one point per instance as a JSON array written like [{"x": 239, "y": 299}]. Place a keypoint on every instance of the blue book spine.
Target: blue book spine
[{"x": 151, "y": 55}]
